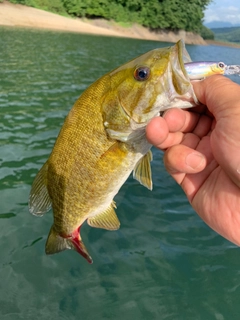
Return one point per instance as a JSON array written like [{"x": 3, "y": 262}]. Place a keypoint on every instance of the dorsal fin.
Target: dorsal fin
[
  {"x": 39, "y": 200},
  {"x": 106, "y": 219},
  {"x": 142, "y": 171}
]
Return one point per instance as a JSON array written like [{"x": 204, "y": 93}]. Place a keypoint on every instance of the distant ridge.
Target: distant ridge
[
  {"x": 220, "y": 24},
  {"x": 227, "y": 34}
]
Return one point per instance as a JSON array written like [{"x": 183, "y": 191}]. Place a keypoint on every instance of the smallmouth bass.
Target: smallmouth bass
[{"x": 103, "y": 140}]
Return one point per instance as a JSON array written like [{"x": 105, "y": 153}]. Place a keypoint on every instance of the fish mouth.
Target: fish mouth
[
  {"x": 182, "y": 55},
  {"x": 173, "y": 88},
  {"x": 180, "y": 80}
]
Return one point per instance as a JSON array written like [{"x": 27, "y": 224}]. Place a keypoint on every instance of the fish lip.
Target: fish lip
[{"x": 182, "y": 56}]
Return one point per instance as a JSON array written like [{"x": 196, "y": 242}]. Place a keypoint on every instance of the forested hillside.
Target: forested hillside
[
  {"x": 227, "y": 34},
  {"x": 156, "y": 14}
]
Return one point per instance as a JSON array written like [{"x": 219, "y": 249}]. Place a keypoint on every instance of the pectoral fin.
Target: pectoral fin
[
  {"x": 106, "y": 219},
  {"x": 39, "y": 200},
  {"x": 142, "y": 171}
]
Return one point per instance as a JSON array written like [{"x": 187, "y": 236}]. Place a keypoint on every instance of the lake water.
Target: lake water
[{"x": 164, "y": 262}]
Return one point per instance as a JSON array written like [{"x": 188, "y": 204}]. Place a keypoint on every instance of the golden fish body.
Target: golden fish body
[{"x": 103, "y": 140}]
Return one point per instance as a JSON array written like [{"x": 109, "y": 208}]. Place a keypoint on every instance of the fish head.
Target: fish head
[{"x": 144, "y": 87}]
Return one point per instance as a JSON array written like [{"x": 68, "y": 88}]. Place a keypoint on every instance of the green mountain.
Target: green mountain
[{"x": 227, "y": 34}]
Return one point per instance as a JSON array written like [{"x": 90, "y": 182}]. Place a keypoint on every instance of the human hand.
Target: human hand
[{"x": 202, "y": 153}]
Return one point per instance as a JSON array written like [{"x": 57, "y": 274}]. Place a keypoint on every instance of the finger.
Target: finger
[
  {"x": 171, "y": 140},
  {"x": 222, "y": 97},
  {"x": 180, "y": 120},
  {"x": 203, "y": 126},
  {"x": 157, "y": 131},
  {"x": 190, "y": 168},
  {"x": 164, "y": 132},
  {"x": 158, "y": 134},
  {"x": 219, "y": 94},
  {"x": 180, "y": 160},
  {"x": 190, "y": 140},
  {"x": 193, "y": 182}
]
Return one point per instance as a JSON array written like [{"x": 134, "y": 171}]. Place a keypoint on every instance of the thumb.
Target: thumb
[{"x": 222, "y": 98}]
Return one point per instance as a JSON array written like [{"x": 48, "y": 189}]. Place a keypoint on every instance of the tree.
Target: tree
[{"x": 155, "y": 14}]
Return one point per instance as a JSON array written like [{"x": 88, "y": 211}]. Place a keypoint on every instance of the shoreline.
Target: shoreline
[
  {"x": 17, "y": 15},
  {"x": 222, "y": 43}
]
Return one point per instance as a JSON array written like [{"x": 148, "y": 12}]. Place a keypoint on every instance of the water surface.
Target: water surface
[{"x": 163, "y": 263}]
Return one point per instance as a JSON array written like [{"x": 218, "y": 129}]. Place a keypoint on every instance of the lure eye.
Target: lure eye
[
  {"x": 142, "y": 73},
  {"x": 221, "y": 65}
]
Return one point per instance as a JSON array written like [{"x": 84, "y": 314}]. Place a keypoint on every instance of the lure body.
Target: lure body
[{"x": 201, "y": 69}]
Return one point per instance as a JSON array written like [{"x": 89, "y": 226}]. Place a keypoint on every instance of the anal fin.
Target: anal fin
[
  {"x": 142, "y": 171},
  {"x": 106, "y": 219}
]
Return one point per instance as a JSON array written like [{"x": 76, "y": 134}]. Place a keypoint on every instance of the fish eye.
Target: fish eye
[
  {"x": 142, "y": 73},
  {"x": 221, "y": 65}
]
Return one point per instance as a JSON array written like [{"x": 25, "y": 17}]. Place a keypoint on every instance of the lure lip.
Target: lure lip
[{"x": 233, "y": 69}]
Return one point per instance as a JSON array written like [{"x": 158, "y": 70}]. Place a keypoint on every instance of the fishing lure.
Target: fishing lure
[{"x": 201, "y": 69}]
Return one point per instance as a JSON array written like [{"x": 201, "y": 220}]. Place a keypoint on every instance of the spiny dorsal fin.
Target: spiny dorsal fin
[
  {"x": 39, "y": 200},
  {"x": 142, "y": 171},
  {"x": 106, "y": 219}
]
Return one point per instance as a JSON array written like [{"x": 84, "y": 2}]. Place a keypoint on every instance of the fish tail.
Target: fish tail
[{"x": 56, "y": 243}]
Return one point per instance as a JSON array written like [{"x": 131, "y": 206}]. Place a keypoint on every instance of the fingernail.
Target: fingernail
[{"x": 194, "y": 160}]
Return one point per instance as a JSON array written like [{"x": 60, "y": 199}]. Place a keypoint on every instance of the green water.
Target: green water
[{"x": 163, "y": 263}]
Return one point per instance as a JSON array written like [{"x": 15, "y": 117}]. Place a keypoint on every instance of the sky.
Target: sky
[{"x": 223, "y": 10}]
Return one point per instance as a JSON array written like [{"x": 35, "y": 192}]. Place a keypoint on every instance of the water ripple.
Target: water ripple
[{"x": 163, "y": 263}]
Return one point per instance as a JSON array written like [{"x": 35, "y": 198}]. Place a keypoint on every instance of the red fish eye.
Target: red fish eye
[
  {"x": 221, "y": 65},
  {"x": 142, "y": 73}
]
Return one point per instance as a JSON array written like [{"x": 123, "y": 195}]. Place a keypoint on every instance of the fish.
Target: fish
[
  {"x": 102, "y": 141},
  {"x": 201, "y": 69}
]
